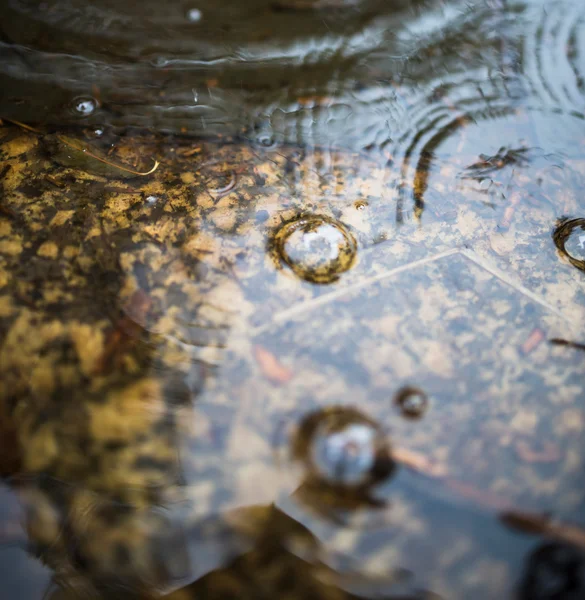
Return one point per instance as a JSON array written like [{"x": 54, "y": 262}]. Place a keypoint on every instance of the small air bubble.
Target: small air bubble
[
  {"x": 412, "y": 402},
  {"x": 151, "y": 199},
  {"x": 84, "y": 106},
  {"x": 194, "y": 15},
  {"x": 93, "y": 133}
]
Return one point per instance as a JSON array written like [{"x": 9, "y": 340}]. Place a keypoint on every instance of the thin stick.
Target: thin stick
[{"x": 23, "y": 125}]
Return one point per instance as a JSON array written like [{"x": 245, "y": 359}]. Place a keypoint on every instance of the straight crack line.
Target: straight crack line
[
  {"x": 314, "y": 303},
  {"x": 505, "y": 278}
]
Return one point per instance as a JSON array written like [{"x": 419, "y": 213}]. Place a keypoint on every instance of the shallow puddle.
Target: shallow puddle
[{"x": 291, "y": 299}]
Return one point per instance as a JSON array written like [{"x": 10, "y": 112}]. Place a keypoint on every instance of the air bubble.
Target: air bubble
[
  {"x": 84, "y": 106},
  {"x": 342, "y": 447},
  {"x": 344, "y": 456},
  {"x": 569, "y": 238},
  {"x": 317, "y": 248},
  {"x": 412, "y": 402},
  {"x": 194, "y": 15}
]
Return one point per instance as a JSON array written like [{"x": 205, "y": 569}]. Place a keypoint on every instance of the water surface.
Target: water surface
[{"x": 291, "y": 299}]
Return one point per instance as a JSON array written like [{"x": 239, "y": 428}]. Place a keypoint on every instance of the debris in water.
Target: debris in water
[
  {"x": 77, "y": 147},
  {"x": 533, "y": 341},
  {"x": 271, "y": 367}
]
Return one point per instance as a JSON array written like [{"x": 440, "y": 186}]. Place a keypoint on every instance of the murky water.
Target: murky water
[{"x": 291, "y": 299}]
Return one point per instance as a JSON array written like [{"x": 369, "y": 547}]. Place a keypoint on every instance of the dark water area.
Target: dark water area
[
  {"x": 291, "y": 299},
  {"x": 362, "y": 73}
]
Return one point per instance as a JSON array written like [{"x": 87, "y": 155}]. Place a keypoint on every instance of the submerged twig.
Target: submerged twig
[
  {"x": 567, "y": 343},
  {"x": 490, "y": 503},
  {"x": 543, "y": 525},
  {"x": 23, "y": 125}
]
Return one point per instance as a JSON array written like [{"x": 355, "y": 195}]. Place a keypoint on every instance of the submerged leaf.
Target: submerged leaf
[{"x": 81, "y": 153}]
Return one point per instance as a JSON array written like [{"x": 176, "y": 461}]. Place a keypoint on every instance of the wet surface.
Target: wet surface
[{"x": 291, "y": 299}]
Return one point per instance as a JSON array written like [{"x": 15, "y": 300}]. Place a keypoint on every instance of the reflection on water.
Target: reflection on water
[{"x": 288, "y": 299}]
